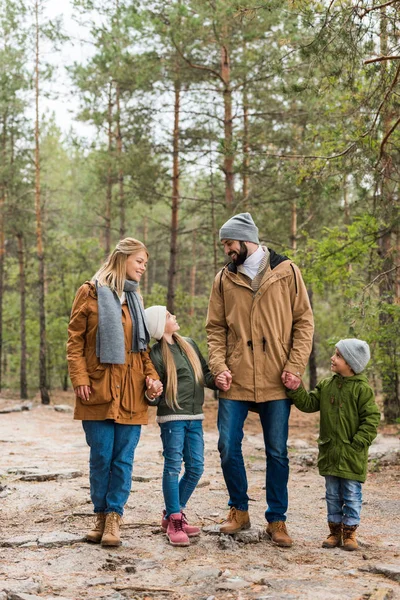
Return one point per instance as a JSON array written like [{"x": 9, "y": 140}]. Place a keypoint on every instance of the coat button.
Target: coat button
[{"x": 117, "y": 386}]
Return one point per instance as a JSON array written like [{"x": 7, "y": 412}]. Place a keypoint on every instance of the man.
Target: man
[{"x": 259, "y": 330}]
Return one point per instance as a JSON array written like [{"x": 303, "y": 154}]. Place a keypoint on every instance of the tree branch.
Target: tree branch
[{"x": 380, "y": 59}]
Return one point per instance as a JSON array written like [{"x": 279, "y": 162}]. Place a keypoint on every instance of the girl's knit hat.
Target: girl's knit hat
[
  {"x": 355, "y": 352},
  {"x": 156, "y": 317}
]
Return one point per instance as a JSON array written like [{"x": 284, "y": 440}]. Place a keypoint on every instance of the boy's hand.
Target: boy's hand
[
  {"x": 154, "y": 387},
  {"x": 223, "y": 380},
  {"x": 290, "y": 381}
]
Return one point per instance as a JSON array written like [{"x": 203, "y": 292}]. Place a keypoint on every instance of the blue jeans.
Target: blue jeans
[
  {"x": 274, "y": 417},
  {"x": 182, "y": 442},
  {"x": 112, "y": 448},
  {"x": 343, "y": 499}
]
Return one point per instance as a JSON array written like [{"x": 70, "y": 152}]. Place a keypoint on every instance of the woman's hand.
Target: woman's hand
[
  {"x": 83, "y": 392},
  {"x": 154, "y": 387}
]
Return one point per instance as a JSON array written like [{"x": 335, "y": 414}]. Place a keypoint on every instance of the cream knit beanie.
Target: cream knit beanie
[{"x": 156, "y": 317}]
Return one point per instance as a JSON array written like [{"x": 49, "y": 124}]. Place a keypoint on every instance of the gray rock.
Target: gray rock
[
  {"x": 226, "y": 542},
  {"x": 13, "y": 588},
  {"x": 298, "y": 444},
  {"x": 211, "y": 529},
  {"x": 306, "y": 460},
  {"x": 203, "y": 483},
  {"x": 16, "y": 408},
  {"x": 389, "y": 570},
  {"x": 100, "y": 581},
  {"x": 233, "y": 584},
  {"x": 144, "y": 478},
  {"x": 64, "y": 408},
  {"x": 51, "y": 476},
  {"x": 201, "y": 574},
  {"x": 146, "y": 564},
  {"x": 250, "y": 536},
  {"x": 59, "y": 538},
  {"x": 18, "y": 540}
]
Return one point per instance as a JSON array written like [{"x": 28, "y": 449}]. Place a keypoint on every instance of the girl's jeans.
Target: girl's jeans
[
  {"x": 343, "y": 499},
  {"x": 112, "y": 448},
  {"x": 182, "y": 442}
]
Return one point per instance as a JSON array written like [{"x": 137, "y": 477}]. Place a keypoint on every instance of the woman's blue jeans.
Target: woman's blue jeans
[
  {"x": 182, "y": 442},
  {"x": 112, "y": 449},
  {"x": 274, "y": 417},
  {"x": 343, "y": 499}
]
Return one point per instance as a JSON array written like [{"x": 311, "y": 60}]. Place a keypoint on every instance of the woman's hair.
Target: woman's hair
[
  {"x": 170, "y": 368},
  {"x": 113, "y": 271}
]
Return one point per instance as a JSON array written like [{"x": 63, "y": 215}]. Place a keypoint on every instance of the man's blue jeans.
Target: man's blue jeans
[
  {"x": 112, "y": 448},
  {"x": 274, "y": 417},
  {"x": 182, "y": 441},
  {"x": 343, "y": 499}
]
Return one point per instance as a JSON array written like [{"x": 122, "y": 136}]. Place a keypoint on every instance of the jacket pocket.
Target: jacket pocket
[
  {"x": 100, "y": 385},
  {"x": 132, "y": 399},
  {"x": 353, "y": 460},
  {"x": 233, "y": 354},
  {"x": 324, "y": 445}
]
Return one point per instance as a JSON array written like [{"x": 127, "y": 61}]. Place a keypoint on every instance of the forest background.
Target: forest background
[{"x": 200, "y": 109}]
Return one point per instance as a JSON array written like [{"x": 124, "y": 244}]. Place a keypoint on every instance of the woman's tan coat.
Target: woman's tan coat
[
  {"x": 117, "y": 391},
  {"x": 259, "y": 335}
]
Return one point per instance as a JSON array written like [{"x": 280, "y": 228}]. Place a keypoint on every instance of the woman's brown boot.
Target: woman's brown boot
[
  {"x": 334, "y": 539},
  {"x": 349, "y": 537},
  {"x": 95, "y": 534},
  {"x": 111, "y": 535}
]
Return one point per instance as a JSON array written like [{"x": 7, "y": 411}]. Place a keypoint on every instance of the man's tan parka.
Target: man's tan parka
[
  {"x": 259, "y": 335},
  {"x": 117, "y": 391}
]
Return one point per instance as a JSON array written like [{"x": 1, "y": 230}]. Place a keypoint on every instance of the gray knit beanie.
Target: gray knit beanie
[
  {"x": 156, "y": 317},
  {"x": 241, "y": 228},
  {"x": 355, "y": 352}
]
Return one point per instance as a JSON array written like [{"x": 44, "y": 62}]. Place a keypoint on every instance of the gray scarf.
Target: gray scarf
[{"x": 110, "y": 346}]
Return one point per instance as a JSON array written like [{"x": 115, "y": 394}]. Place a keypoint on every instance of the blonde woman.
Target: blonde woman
[
  {"x": 110, "y": 370},
  {"x": 183, "y": 372}
]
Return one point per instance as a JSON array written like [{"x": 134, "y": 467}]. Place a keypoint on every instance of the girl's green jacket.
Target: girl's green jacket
[{"x": 348, "y": 423}]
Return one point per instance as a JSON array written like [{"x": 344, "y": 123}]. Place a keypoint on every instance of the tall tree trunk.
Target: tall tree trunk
[
  {"x": 145, "y": 238},
  {"x": 246, "y": 150},
  {"x": 312, "y": 362},
  {"x": 107, "y": 217},
  {"x": 44, "y": 394},
  {"x": 193, "y": 270},
  {"x": 121, "y": 191},
  {"x": 228, "y": 127},
  {"x": 175, "y": 202},
  {"x": 293, "y": 226},
  {"x": 22, "y": 291},
  {"x": 2, "y": 243}
]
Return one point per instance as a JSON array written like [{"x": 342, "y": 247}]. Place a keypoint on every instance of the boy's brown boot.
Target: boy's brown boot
[
  {"x": 111, "y": 535},
  {"x": 334, "y": 539},
  {"x": 278, "y": 533},
  {"x": 236, "y": 520},
  {"x": 95, "y": 534},
  {"x": 349, "y": 537}
]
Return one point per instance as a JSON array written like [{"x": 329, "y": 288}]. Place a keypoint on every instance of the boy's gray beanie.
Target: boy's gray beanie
[
  {"x": 355, "y": 352},
  {"x": 240, "y": 227}
]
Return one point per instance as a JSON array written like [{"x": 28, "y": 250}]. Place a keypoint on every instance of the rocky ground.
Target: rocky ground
[{"x": 45, "y": 511}]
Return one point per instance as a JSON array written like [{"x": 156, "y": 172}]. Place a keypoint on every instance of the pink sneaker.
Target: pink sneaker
[
  {"x": 190, "y": 530},
  {"x": 175, "y": 531}
]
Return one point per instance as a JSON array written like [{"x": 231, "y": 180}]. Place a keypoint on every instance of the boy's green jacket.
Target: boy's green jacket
[
  {"x": 348, "y": 423},
  {"x": 190, "y": 393}
]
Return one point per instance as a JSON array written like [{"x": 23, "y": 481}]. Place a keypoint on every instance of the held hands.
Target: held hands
[
  {"x": 154, "y": 387},
  {"x": 223, "y": 380},
  {"x": 290, "y": 381}
]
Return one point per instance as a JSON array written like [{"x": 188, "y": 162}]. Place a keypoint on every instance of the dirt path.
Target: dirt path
[{"x": 42, "y": 524}]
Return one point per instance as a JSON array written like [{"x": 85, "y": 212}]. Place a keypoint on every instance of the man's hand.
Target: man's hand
[
  {"x": 154, "y": 387},
  {"x": 292, "y": 382},
  {"x": 223, "y": 380},
  {"x": 83, "y": 392}
]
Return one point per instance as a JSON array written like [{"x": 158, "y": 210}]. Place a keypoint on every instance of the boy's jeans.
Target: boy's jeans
[
  {"x": 112, "y": 448},
  {"x": 182, "y": 441},
  {"x": 343, "y": 499},
  {"x": 274, "y": 417}
]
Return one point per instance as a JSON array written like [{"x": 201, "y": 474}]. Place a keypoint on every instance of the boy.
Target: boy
[{"x": 349, "y": 418}]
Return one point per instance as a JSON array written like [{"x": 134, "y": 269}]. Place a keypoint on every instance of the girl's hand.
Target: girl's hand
[
  {"x": 154, "y": 387},
  {"x": 290, "y": 381},
  {"x": 83, "y": 392},
  {"x": 223, "y": 380}
]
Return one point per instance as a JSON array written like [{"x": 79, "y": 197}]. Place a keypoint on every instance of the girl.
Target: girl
[
  {"x": 183, "y": 372},
  {"x": 110, "y": 370}
]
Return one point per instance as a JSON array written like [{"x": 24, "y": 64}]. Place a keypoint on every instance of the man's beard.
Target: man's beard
[{"x": 239, "y": 258}]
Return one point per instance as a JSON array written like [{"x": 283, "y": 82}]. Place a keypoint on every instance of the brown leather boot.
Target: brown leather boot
[
  {"x": 111, "y": 535},
  {"x": 237, "y": 520},
  {"x": 334, "y": 539},
  {"x": 95, "y": 534},
  {"x": 278, "y": 533},
  {"x": 349, "y": 537}
]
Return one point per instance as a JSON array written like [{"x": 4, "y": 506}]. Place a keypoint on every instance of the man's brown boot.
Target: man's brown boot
[
  {"x": 278, "y": 533},
  {"x": 237, "y": 520},
  {"x": 349, "y": 537},
  {"x": 111, "y": 535},
  {"x": 95, "y": 534},
  {"x": 334, "y": 539}
]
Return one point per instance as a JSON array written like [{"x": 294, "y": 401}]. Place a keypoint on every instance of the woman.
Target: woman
[{"x": 110, "y": 370}]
